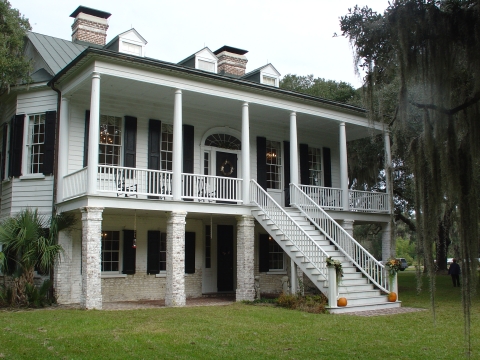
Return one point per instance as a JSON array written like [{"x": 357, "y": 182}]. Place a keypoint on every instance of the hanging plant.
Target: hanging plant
[{"x": 338, "y": 267}]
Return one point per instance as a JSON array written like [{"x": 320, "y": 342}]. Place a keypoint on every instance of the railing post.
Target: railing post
[{"x": 332, "y": 286}]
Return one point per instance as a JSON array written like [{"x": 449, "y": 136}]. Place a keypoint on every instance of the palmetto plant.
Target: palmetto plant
[{"x": 29, "y": 244}]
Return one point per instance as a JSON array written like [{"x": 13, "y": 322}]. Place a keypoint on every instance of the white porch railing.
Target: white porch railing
[
  {"x": 75, "y": 184},
  {"x": 327, "y": 198},
  {"x": 368, "y": 201},
  {"x": 211, "y": 188},
  {"x": 126, "y": 181},
  {"x": 361, "y": 258},
  {"x": 290, "y": 229}
]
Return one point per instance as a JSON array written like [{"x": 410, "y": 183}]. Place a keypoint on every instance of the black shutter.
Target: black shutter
[
  {"x": 129, "y": 253},
  {"x": 85, "y": 139},
  {"x": 154, "y": 135},
  {"x": 188, "y": 133},
  {"x": 286, "y": 171},
  {"x": 263, "y": 265},
  {"x": 130, "y": 138},
  {"x": 189, "y": 253},
  {"x": 304, "y": 171},
  {"x": 327, "y": 167},
  {"x": 188, "y": 149},
  {"x": 4, "y": 151},
  {"x": 153, "y": 252},
  {"x": 262, "y": 161},
  {"x": 49, "y": 142},
  {"x": 16, "y": 145}
]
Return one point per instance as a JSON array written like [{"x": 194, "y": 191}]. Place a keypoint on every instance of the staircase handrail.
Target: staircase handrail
[
  {"x": 316, "y": 255},
  {"x": 373, "y": 269}
]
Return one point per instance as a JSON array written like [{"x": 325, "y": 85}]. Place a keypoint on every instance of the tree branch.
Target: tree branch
[
  {"x": 449, "y": 112},
  {"x": 411, "y": 225}
]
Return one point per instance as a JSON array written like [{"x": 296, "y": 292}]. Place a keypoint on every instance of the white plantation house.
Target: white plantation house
[{"x": 186, "y": 179}]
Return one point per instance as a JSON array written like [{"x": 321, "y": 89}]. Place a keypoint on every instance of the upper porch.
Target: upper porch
[{"x": 163, "y": 135}]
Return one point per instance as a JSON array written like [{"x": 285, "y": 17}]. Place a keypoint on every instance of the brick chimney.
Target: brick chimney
[
  {"x": 231, "y": 61},
  {"x": 90, "y": 25}
]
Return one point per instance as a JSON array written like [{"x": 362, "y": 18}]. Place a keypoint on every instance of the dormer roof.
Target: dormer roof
[
  {"x": 203, "y": 59},
  {"x": 128, "y": 42}
]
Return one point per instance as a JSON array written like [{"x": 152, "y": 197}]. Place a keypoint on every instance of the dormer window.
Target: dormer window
[
  {"x": 130, "y": 48},
  {"x": 204, "y": 60},
  {"x": 129, "y": 42},
  {"x": 206, "y": 65},
  {"x": 268, "y": 80}
]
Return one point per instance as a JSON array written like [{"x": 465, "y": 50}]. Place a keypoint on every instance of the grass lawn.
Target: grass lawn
[{"x": 242, "y": 331}]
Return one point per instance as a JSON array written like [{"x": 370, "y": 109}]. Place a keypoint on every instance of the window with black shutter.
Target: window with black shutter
[
  {"x": 189, "y": 252},
  {"x": 129, "y": 252},
  {"x": 16, "y": 146}
]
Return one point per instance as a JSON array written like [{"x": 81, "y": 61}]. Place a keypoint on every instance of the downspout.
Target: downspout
[{"x": 55, "y": 173}]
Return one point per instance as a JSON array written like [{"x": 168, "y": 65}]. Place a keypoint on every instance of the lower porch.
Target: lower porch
[{"x": 163, "y": 258}]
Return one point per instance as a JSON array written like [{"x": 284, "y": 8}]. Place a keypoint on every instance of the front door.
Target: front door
[
  {"x": 225, "y": 257},
  {"x": 226, "y": 167}
]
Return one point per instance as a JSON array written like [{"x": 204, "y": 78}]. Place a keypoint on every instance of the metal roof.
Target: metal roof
[{"x": 56, "y": 52}]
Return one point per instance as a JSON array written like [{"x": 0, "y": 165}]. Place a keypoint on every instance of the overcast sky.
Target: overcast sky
[{"x": 295, "y": 36}]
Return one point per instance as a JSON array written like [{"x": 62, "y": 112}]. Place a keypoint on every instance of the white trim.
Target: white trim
[
  {"x": 32, "y": 176},
  {"x": 107, "y": 275}
]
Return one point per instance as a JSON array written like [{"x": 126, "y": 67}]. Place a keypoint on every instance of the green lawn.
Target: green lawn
[{"x": 244, "y": 332}]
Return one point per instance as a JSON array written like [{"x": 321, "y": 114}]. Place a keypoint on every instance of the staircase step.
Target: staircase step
[{"x": 365, "y": 307}]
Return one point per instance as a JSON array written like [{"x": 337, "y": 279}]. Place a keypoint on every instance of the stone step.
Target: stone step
[{"x": 364, "y": 307}]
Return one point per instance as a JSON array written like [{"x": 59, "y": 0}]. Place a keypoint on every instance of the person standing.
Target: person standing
[{"x": 454, "y": 271}]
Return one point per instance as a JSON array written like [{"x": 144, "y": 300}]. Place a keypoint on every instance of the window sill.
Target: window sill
[
  {"x": 32, "y": 177},
  {"x": 108, "y": 276},
  {"x": 162, "y": 275},
  {"x": 279, "y": 272}
]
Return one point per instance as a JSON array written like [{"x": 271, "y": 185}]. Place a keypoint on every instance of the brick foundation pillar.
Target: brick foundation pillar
[
  {"x": 245, "y": 258},
  {"x": 175, "y": 290},
  {"x": 91, "y": 257},
  {"x": 63, "y": 269}
]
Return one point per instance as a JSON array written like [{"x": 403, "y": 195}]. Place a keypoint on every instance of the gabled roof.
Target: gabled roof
[
  {"x": 140, "y": 37},
  {"x": 260, "y": 69},
  {"x": 56, "y": 52},
  {"x": 41, "y": 75}
]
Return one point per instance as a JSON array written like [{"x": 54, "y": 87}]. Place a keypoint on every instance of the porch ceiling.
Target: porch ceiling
[{"x": 155, "y": 97}]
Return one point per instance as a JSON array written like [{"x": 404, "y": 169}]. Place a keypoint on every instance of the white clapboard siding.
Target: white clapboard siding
[
  {"x": 32, "y": 193},
  {"x": 34, "y": 102}
]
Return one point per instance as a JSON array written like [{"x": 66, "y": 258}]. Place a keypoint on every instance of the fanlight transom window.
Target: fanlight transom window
[{"x": 223, "y": 141}]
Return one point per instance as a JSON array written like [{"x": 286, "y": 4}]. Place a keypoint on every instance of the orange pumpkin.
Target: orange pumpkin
[
  {"x": 342, "y": 302},
  {"x": 392, "y": 297}
]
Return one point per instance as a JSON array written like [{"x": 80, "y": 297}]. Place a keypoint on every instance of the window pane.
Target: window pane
[
  {"x": 315, "y": 166},
  {"x": 36, "y": 139},
  {"x": 110, "y": 140},
  {"x": 110, "y": 250},
  {"x": 206, "y": 65},
  {"x": 274, "y": 168}
]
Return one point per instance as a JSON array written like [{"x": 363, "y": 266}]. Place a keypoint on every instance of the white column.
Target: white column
[
  {"x": 177, "y": 155},
  {"x": 332, "y": 287},
  {"x": 62, "y": 148},
  {"x": 293, "y": 149},
  {"x": 94, "y": 135},
  {"x": 343, "y": 166},
  {"x": 245, "y": 258},
  {"x": 293, "y": 277},
  {"x": 388, "y": 170},
  {"x": 387, "y": 250},
  {"x": 91, "y": 257},
  {"x": 245, "y": 154},
  {"x": 175, "y": 289}
]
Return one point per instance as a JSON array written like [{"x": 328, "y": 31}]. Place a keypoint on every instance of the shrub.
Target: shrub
[{"x": 312, "y": 304}]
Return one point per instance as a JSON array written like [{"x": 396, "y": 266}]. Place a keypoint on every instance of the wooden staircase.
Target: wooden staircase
[{"x": 309, "y": 248}]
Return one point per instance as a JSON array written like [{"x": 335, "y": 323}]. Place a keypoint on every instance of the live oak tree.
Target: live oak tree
[
  {"x": 14, "y": 67},
  {"x": 432, "y": 50}
]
